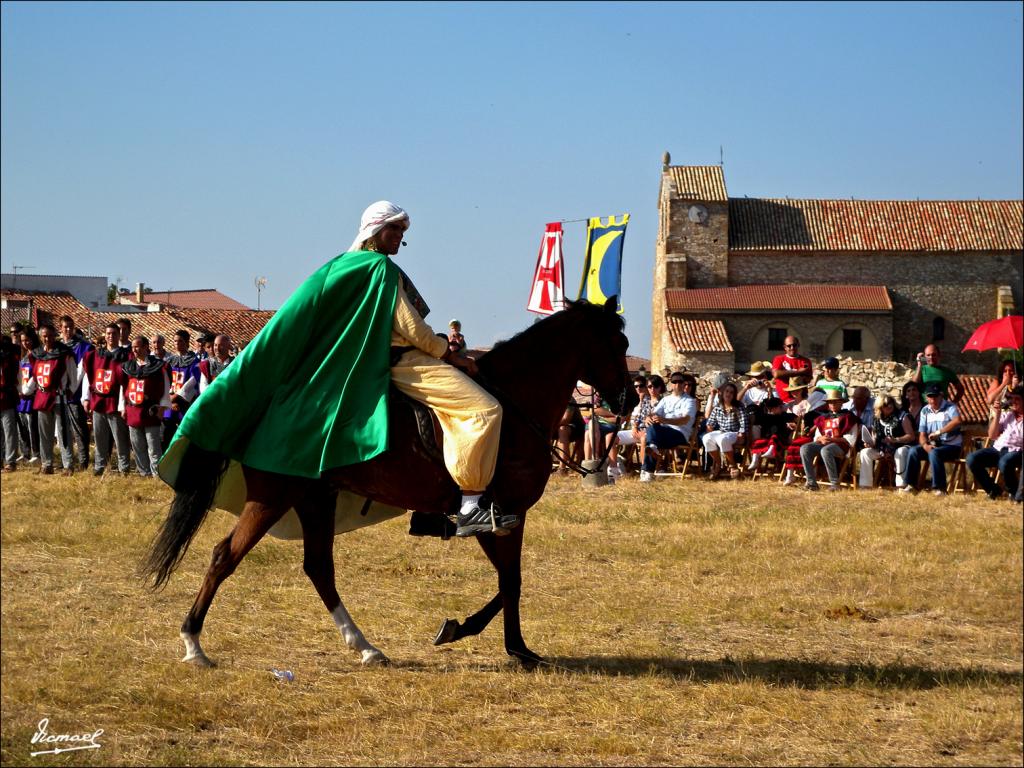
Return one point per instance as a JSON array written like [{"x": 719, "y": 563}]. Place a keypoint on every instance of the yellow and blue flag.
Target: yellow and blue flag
[{"x": 602, "y": 267}]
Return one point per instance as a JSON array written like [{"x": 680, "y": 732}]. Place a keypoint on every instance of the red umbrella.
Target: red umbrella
[{"x": 1006, "y": 333}]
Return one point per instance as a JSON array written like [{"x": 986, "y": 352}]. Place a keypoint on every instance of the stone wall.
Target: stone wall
[
  {"x": 882, "y": 377},
  {"x": 706, "y": 244}
]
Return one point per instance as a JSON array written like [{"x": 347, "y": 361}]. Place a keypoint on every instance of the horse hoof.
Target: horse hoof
[
  {"x": 199, "y": 660},
  {"x": 375, "y": 658},
  {"x": 448, "y": 632},
  {"x": 527, "y": 659}
]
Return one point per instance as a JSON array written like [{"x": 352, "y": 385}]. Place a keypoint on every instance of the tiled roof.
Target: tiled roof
[
  {"x": 202, "y": 298},
  {"x": 698, "y": 182},
  {"x": 241, "y": 325},
  {"x": 810, "y": 297},
  {"x": 634, "y": 363},
  {"x": 698, "y": 335},
  {"x": 759, "y": 224},
  {"x": 973, "y": 408}
]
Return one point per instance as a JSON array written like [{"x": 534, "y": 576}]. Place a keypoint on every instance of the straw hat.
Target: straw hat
[
  {"x": 798, "y": 383},
  {"x": 760, "y": 368}
]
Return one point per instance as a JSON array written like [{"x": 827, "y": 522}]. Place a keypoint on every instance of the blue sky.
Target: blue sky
[{"x": 201, "y": 145}]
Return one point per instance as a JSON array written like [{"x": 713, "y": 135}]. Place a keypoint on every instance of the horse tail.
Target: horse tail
[{"x": 195, "y": 488}]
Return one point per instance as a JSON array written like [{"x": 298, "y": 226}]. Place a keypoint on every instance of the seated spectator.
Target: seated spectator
[
  {"x": 650, "y": 391},
  {"x": 828, "y": 379},
  {"x": 911, "y": 401},
  {"x": 931, "y": 371},
  {"x": 1006, "y": 380},
  {"x": 800, "y": 407},
  {"x": 893, "y": 436},
  {"x": 570, "y": 434},
  {"x": 756, "y": 390},
  {"x": 1005, "y": 430},
  {"x": 835, "y": 434},
  {"x": 726, "y": 427},
  {"x": 601, "y": 421},
  {"x": 670, "y": 423},
  {"x": 939, "y": 440},
  {"x": 775, "y": 427},
  {"x": 861, "y": 406}
]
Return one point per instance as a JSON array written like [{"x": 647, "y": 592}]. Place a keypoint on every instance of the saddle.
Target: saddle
[{"x": 427, "y": 425}]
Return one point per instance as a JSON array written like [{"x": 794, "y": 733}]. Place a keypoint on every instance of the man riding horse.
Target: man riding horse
[{"x": 362, "y": 324}]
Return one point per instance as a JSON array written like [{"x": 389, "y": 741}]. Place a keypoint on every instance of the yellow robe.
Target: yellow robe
[{"x": 470, "y": 417}]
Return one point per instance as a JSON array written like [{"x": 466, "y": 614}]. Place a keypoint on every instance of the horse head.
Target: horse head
[{"x": 603, "y": 346}]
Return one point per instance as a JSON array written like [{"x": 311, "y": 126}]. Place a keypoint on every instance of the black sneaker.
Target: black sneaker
[
  {"x": 485, "y": 519},
  {"x": 97, "y": 471}
]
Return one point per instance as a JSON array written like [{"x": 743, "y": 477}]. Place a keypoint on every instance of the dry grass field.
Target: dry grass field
[{"x": 684, "y": 623}]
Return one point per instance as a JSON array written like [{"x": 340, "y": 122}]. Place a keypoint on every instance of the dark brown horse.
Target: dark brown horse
[{"x": 532, "y": 374}]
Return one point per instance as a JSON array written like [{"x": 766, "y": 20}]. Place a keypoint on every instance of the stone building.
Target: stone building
[{"x": 865, "y": 279}]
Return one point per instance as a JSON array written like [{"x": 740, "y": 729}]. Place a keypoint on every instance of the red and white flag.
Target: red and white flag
[{"x": 546, "y": 296}]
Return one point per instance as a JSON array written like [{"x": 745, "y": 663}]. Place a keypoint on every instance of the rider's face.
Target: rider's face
[{"x": 389, "y": 239}]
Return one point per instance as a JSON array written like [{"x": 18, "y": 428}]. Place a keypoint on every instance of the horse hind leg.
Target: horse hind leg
[
  {"x": 451, "y": 630},
  {"x": 256, "y": 519},
  {"x": 318, "y": 563}
]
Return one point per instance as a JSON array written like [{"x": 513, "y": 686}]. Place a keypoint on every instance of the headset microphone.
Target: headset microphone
[{"x": 404, "y": 243}]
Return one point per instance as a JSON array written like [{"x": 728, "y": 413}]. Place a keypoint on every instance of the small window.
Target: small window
[
  {"x": 938, "y": 329},
  {"x": 776, "y": 338},
  {"x": 851, "y": 340}
]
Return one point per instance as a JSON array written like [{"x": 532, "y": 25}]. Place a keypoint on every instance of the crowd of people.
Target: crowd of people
[
  {"x": 795, "y": 415},
  {"x": 119, "y": 393}
]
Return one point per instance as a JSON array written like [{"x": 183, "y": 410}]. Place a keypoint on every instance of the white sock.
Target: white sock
[
  {"x": 789, "y": 474},
  {"x": 754, "y": 461},
  {"x": 469, "y": 500}
]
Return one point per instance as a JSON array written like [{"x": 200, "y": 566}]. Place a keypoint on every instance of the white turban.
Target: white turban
[{"x": 374, "y": 220}]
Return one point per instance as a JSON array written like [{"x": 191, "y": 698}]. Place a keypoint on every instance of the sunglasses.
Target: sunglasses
[
  {"x": 679, "y": 381},
  {"x": 639, "y": 386},
  {"x": 791, "y": 346}
]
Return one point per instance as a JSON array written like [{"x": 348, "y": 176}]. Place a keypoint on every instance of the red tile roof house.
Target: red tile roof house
[{"x": 868, "y": 279}]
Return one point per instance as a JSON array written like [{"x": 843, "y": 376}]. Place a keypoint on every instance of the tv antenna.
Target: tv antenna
[
  {"x": 14, "y": 271},
  {"x": 261, "y": 283}
]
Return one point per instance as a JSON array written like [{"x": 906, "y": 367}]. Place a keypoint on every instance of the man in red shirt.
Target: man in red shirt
[
  {"x": 145, "y": 392},
  {"x": 101, "y": 393},
  {"x": 835, "y": 434},
  {"x": 789, "y": 364}
]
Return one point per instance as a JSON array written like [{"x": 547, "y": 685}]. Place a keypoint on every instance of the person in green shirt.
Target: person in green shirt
[
  {"x": 828, "y": 380},
  {"x": 931, "y": 371}
]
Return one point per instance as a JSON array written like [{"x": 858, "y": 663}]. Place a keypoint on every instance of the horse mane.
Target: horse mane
[{"x": 593, "y": 313}]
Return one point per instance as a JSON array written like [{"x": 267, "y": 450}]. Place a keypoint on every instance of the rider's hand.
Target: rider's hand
[{"x": 467, "y": 364}]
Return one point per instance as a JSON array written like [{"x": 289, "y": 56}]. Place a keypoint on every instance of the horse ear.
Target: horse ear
[{"x": 612, "y": 305}]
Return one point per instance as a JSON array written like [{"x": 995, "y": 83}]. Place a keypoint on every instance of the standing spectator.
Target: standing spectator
[
  {"x": 726, "y": 426},
  {"x": 911, "y": 401},
  {"x": 456, "y": 341},
  {"x": 790, "y": 364},
  {"x": 671, "y": 424},
  {"x": 74, "y": 338},
  {"x": 1006, "y": 430},
  {"x": 15, "y": 334},
  {"x": 201, "y": 347},
  {"x": 101, "y": 395},
  {"x": 930, "y": 371},
  {"x": 939, "y": 440},
  {"x": 893, "y": 436},
  {"x": 145, "y": 391},
  {"x": 219, "y": 359},
  {"x": 159, "y": 350},
  {"x": 54, "y": 377},
  {"x": 126, "y": 336},
  {"x": 10, "y": 356},
  {"x": 183, "y": 372},
  {"x": 835, "y": 434},
  {"x": 28, "y": 422},
  {"x": 828, "y": 379}
]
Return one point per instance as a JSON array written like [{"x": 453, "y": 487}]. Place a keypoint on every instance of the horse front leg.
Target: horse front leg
[
  {"x": 505, "y": 553},
  {"x": 451, "y": 630},
  {"x": 318, "y": 563}
]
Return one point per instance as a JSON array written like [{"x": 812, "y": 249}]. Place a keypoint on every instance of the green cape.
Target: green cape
[{"x": 310, "y": 391}]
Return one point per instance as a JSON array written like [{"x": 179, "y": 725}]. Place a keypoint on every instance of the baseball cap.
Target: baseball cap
[{"x": 932, "y": 389}]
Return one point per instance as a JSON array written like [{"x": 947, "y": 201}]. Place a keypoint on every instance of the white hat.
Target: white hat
[{"x": 374, "y": 219}]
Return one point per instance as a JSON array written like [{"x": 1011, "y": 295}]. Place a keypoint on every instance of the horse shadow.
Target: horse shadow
[{"x": 796, "y": 673}]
